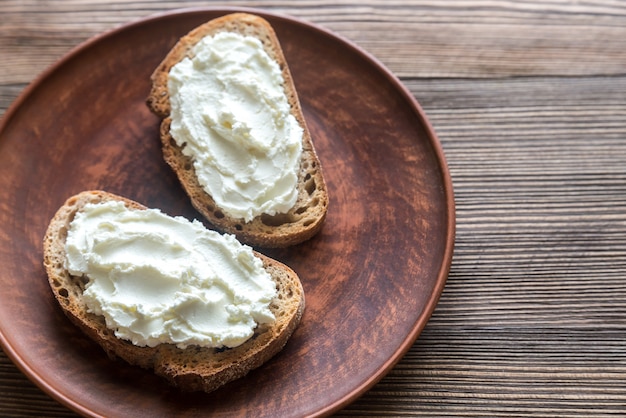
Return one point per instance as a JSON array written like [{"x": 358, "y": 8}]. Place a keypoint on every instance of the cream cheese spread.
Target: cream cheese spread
[
  {"x": 161, "y": 279},
  {"x": 230, "y": 112}
]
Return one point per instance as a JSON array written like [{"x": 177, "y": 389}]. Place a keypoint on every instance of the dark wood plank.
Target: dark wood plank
[
  {"x": 21, "y": 398},
  {"x": 415, "y": 39}
]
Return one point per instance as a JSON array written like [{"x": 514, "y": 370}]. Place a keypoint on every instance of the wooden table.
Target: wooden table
[{"x": 529, "y": 101}]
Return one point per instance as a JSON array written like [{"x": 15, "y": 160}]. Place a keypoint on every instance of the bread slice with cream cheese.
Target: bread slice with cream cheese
[
  {"x": 306, "y": 217},
  {"x": 193, "y": 368}
]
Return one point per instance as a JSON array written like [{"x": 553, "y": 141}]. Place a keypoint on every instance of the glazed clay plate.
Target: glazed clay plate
[{"x": 372, "y": 277}]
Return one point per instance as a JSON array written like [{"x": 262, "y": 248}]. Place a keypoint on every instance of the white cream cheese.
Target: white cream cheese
[
  {"x": 161, "y": 279},
  {"x": 230, "y": 111}
]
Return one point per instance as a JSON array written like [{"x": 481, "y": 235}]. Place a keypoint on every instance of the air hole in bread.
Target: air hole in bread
[
  {"x": 308, "y": 222},
  {"x": 315, "y": 202},
  {"x": 276, "y": 220},
  {"x": 301, "y": 210},
  {"x": 310, "y": 186},
  {"x": 63, "y": 292},
  {"x": 80, "y": 281},
  {"x": 218, "y": 214},
  {"x": 238, "y": 227}
]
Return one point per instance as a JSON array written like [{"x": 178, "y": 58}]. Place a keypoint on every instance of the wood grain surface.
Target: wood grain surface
[{"x": 529, "y": 101}]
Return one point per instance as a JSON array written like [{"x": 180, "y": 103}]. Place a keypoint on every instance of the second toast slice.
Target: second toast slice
[{"x": 307, "y": 216}]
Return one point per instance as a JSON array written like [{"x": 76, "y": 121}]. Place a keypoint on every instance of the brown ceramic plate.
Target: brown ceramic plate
[{"x": 372, "y": 277}]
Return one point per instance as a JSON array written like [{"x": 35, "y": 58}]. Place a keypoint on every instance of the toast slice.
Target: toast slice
[
  {"x": 306, "y": 217},
  {"x": 191, "y": 369}
]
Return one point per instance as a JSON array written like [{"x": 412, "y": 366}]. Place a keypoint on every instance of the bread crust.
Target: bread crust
[
  {"x": 191, "y": 369},
  {"x": 307, "y": 216}
]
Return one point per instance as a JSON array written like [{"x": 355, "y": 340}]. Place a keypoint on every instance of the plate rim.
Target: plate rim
[{"x": 71, "y": 402}]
